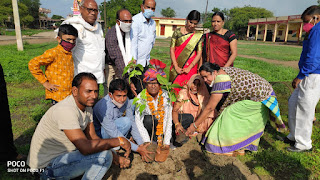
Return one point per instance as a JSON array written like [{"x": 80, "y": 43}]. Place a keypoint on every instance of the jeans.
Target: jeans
[
  {"x": 74, "y": 164},
  {"x": 123, "y": 125}
]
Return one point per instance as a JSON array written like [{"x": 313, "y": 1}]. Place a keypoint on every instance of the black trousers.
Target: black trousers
[
  {"x": 150, "y": 121},
  {"x": 8, "y": 150}
]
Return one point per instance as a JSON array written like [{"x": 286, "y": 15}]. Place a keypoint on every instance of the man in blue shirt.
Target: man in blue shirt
[
  {"x": 113, "y": 117},
  {"x": 143, "y": 36},
  {"x": 306, "y": 95}
]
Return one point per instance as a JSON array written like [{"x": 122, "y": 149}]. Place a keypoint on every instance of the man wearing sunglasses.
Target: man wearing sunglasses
[
  {"x": 88, "y": 55},
  {"x": 118, "y": 47}
]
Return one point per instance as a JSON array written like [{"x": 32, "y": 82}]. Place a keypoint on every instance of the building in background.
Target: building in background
[
  {"x": 44, "y": 21},
  {"x": 276, "y": 29},
  {"x": 166, "y": 26}
]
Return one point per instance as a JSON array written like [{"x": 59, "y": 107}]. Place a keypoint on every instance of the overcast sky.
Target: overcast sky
[{"x": 183, "y": 7}]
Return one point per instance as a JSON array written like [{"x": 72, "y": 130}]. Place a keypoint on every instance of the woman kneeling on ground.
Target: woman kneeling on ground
[
  {"x": 243, "y": 101},
  {"x": 191, "y": 101}
]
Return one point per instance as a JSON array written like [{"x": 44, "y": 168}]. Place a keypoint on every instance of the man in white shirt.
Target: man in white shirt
[
  {"x": 143, "y": 36},
  {"x": 88, "y": 54},
  {"x": 157, "y": 104}
]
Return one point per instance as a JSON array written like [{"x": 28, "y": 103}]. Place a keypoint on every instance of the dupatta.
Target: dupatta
[{"x": 188, "y": 44}]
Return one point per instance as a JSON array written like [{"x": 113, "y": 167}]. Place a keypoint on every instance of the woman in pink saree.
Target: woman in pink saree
[{"x": 185, "y": 50}]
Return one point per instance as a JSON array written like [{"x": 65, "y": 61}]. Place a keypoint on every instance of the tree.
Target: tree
[
  {"x": 6, "y": 13},
  {"x": 26, "y": 20},
  {"x": 113, "y": 6},
  {"x": 207, "y": 21},
  {"x": 168, "y": 12},
  {"x": 56, "y": 16},
  {"x": 239, "y": 17},
  {"x": 5, "y": 10},
  {"x": 32, "y": 9}
]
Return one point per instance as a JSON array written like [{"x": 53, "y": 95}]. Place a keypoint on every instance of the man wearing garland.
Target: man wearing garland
[
  {"x": 113, "y": 117},
  {"x": 154, "y": 123}
]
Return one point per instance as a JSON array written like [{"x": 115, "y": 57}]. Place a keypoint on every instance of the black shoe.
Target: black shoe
[
  {"x": 294, "y": 149},
  {"x": 286, "y": 140}
]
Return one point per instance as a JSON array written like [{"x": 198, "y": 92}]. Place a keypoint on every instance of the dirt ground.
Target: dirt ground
[
  {"x": 186, "y": 162},
  {"x": 42, "y": 37}
]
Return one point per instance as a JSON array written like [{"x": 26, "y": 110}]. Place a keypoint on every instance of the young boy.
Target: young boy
[{"x": 58, "y": 62}]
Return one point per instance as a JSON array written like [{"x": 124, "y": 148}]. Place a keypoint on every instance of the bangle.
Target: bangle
[
  {"x": 194, "y": 125},
  {"x": 121, "y": 141},
  {"x": 175, "y": 125}
]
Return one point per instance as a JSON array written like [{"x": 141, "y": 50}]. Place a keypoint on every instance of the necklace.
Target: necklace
[{"x": 159, "y": 114}]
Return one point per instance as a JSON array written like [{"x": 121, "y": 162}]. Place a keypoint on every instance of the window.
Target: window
[{"x": 280, "y": 33}]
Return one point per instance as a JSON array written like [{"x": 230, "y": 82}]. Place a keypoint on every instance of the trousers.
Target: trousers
[{"x": 301, "y": 111}]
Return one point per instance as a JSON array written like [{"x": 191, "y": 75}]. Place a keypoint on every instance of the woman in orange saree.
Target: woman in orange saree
[{"x": 185, "y": 51}]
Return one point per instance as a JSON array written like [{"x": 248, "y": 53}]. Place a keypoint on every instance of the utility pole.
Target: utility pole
[
  {"x": 205, "y": 17},
  {"x": 105, "y": 17},
  {"x": 17, "y": 25}
]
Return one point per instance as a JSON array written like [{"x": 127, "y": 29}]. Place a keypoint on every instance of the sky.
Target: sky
[{"x": 183, "y": 7}]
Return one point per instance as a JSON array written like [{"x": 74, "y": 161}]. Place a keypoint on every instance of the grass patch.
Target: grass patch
[
  {"x": 26, "y": 32},
  {"x": 15, "y": 63},
  {"x": 276, "y": 52},
  {"x": 270, "y": 72}
]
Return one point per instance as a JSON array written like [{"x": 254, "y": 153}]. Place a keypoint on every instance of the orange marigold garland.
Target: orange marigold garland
[{"x": 159, "y": 114}]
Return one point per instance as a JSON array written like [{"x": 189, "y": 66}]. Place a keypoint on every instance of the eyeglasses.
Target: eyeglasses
[
  {"x": 90, "y": 10},
  {"x": 126, "y": 21}
]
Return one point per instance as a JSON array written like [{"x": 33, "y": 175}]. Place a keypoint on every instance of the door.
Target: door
[{"x": 162, "y": 30}]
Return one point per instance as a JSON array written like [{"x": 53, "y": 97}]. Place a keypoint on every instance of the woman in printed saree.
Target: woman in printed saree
[
  {"x": 191, "y": 101},
  {"x": 185, "y": 50},
  {"x": 243, "y": 101},
  {"x": 220, "y": 45}
]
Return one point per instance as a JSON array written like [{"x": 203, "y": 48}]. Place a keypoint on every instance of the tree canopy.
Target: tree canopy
[
  {"x": 239, "y": 17},
  {"x": 168, "y": 12},
  {"x": 236, "y": 19},
  {"x": 56, "y": 16},
  {"x": 6, "y": 13},
  {"x": 207, "y": 22},
  {"x": 113, "y": 6},
  {"x": 28, "y": 12}
]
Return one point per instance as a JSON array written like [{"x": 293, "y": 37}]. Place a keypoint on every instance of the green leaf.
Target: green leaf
[
  {"x": 162, "y": 80},
  {"x": 173, "y": 97},
  {"x": 141, "y": 108},
  {"x": 143, "y": 94},
  {"x": 165, "y": 88},
  {"x": 125, "y": 70},
  {"x": 139, "y": 73},
  {"x": 133, "y": 72},
  {"x": 130, "y": 76},
  {"x": 135, "y": 100},
  {"x": 175, "y": 86},
  {"x": 140, "y": 67}
]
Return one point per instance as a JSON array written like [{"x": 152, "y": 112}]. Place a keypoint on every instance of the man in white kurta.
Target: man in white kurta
[{"x": 88, "y": 54}]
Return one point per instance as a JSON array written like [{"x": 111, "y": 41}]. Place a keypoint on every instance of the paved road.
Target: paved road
[{"x": 42, "y": 37}]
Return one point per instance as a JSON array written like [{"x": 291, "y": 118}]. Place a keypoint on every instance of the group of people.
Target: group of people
[{"x": 81, "y": 135}]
